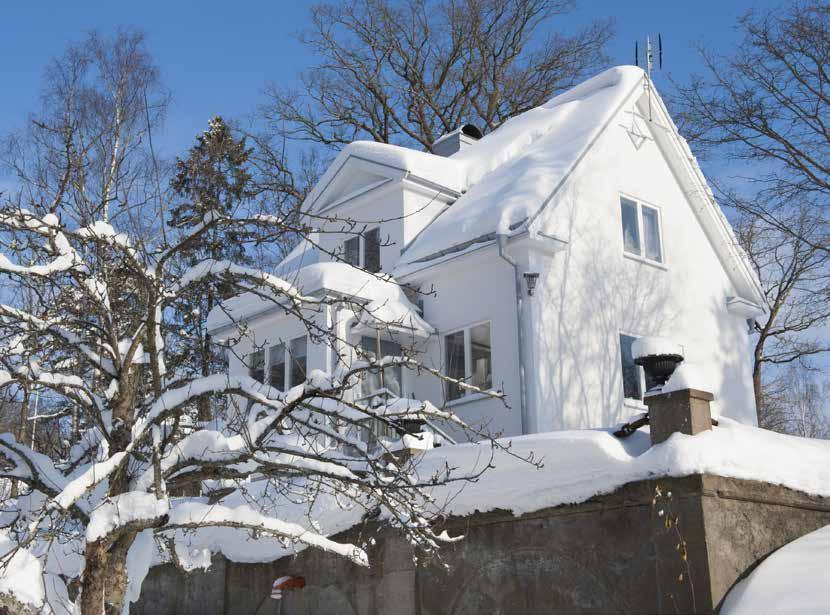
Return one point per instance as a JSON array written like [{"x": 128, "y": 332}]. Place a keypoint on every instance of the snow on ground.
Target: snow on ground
[
  {"x": 576, "y": 465},
  {"x": 794, "y": 579},
  {"x": 22, "y": 574},
  {"x": 581, "y": 464}
]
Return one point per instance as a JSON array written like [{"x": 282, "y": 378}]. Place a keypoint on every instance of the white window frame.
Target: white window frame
[
  {"x": 466, "y": 395},
  {"x": 640, "y": 203}
]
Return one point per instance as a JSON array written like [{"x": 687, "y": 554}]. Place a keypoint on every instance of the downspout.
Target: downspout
[{"x": 517, "y": 275}]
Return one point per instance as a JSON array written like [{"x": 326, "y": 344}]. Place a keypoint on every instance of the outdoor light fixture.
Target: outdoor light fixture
[{"x": 530, "y": 279}]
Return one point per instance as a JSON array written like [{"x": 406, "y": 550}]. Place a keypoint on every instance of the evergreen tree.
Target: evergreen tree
[{"x": 212, "y": 179}]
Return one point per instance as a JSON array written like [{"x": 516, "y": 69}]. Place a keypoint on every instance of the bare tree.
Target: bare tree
[
  {"x": 138, "y": 447},
  {"x": 88, "y": 151},
  {"x": 408, "y": 72},
  {"x": 794, "y": 403},
  {"x": 767, "y": 105},
  {"x": 795, "y": 275},
  {"x": 85, "y": 239}
]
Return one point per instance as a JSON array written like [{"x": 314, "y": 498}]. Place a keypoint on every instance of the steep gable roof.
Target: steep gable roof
[
  {"x": 509, "y": 176},
  {"x": 511, "y": 172}
]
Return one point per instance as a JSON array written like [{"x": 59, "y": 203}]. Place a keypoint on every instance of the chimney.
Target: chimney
[{"x": 456, "y": 140}]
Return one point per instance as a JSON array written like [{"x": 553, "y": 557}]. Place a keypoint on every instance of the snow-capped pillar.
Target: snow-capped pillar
[{"x": 684, "y": 411}]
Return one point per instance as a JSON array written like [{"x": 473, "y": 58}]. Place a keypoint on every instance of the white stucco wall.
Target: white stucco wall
[
  {"x": 586, "y": 296},
  {"x": 471, "y": 289},
  {"x": 592, "y": 292}
]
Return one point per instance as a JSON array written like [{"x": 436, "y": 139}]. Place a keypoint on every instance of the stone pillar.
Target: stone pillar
[{"x": 685, "y": 411}]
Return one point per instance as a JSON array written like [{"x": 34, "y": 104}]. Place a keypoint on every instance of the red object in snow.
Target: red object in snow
[{"x": 283, "y": 583}]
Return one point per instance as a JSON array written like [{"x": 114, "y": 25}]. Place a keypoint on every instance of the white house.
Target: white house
[{"x": 593, "y": 196}]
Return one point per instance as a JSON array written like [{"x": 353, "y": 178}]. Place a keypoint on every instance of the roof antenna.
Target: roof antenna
[{"x": 650, "y": 64}]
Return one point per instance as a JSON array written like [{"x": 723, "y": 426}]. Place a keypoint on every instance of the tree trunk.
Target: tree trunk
[
  {"x": 104, "y": 582},
  {"x": 757, "y": 384},
  {"x": 21, "y": 432}
]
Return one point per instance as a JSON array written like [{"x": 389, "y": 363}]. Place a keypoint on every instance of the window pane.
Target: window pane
[
  {"x": 371, "y": 257},
  {"x": 630, "y": 371},
  {"x": 480, "y": 356},
  {"x": 630, "y": 228},
  {"x": 390, "y": 378},
  {"x": 391, "y": 375},
  {"x": 651, "y": 233},
  {"x": 256, "y": 365},
  {"x": 276, "y": 366},
  {"x": 351, "y": 251},
  {"x": 454, "y": 362},
  {"x": 297, "y": 350}
]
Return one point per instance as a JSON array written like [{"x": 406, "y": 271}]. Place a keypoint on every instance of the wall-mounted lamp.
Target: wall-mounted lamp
[{"x": 530, "y": 280}]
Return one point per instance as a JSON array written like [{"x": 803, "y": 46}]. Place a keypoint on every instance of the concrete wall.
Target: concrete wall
[{"x": 613, "y": 554}]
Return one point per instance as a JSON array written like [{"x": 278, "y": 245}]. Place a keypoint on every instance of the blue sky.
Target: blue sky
[{"x": 216, "y": 57}]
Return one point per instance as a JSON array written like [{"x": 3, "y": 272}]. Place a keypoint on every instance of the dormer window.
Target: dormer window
[
  {"x": 364, "y": 250},
  {"x": 641, "y": 230},
  {"x": 371, "y": 251},
  {"x": 351, "y": 251}
]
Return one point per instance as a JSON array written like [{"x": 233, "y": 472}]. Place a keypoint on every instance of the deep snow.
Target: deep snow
[{"x": 794, "y": 579}]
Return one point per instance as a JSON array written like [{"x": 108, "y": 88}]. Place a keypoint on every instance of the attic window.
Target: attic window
[
  {"x": 371, "y": 251},
  {"x": 351, "y": 251},
  {"x": 363, "y": 251},
  {"x": 642, "y": 235}
]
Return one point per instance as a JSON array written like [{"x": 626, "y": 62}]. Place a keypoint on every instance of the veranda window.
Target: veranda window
[
  {"x": 297, "y": 351},
  {"x": 388, "y": 378},
  {"x": 256, "y": 365}
]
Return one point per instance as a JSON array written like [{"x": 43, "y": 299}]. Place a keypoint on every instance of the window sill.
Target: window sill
[
  {"x": 645, "y": 261},
  {"x": 466, "y": 399}
]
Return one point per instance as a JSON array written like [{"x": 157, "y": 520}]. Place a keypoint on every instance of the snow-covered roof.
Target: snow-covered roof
[
  {"x": 304, "y": 253},
  {"x": 510, "y": 173},
  {"x": 794, "y": 579},
  {"x": 385, "y": 303},
  {"x": 412, "y": 163},
  {"x": 507, "y": 177}
]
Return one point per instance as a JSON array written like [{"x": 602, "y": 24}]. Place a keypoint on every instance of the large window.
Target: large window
[
  {"x": 641, "y": 230},
  {"x": 364, "y": 251},
  {"x": 388, "y": 378},
  {"x": 467, "y": 357},
  {"x": 632, "y": 383}
]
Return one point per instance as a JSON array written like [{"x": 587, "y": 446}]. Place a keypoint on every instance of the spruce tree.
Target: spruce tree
[{"x": 212, "y": 179}]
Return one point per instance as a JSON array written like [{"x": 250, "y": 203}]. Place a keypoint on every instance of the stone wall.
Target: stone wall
[{"x": 660, "y": 546}]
